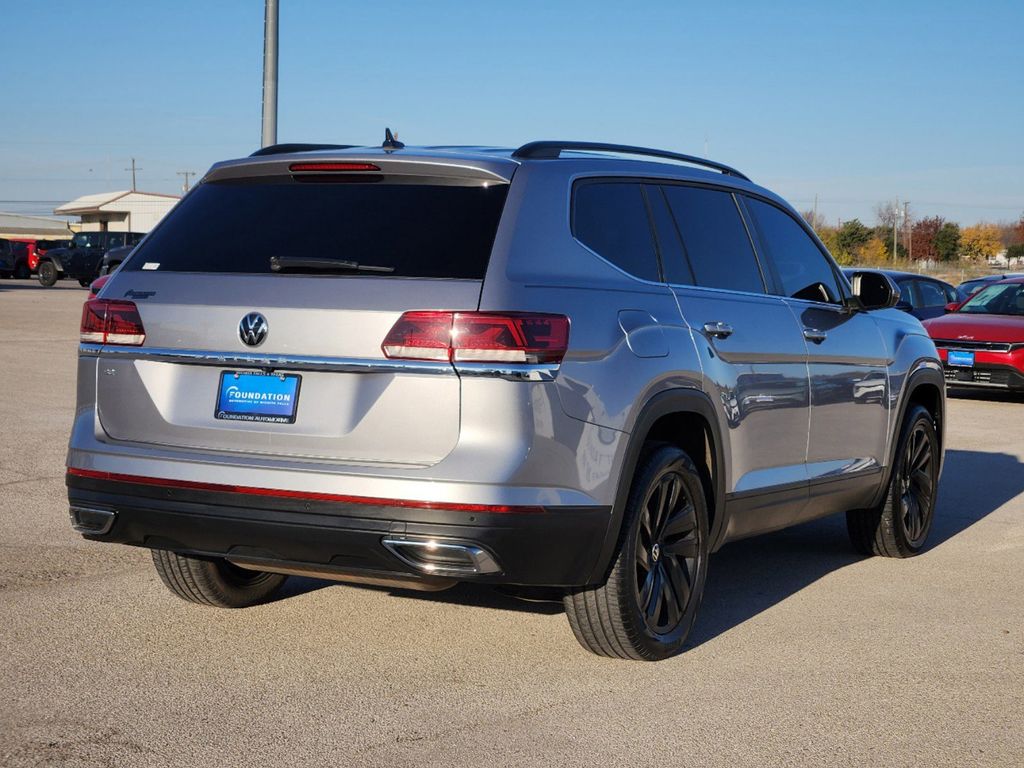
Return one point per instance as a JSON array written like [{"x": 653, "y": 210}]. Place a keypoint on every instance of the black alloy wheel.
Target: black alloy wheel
[
  {"x": 668, "y": 554},
  {"x": 899, "y": 526},
  {"x": 917, "y": 486},
  {"x": 648, "y": 603}
]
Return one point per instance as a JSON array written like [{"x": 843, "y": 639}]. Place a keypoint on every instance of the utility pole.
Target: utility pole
[
  {"x": 186, "y": 174},
  {"x": 133, "y": 169},
  {"x": 814, "y": 223},
  {"x": 270, "y": 74},
  {"x": 895, "y": 219},
  {"x": 908, "y": 232}
]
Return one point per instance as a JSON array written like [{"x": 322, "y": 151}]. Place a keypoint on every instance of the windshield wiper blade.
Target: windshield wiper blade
[{"x": 298, "y": 263}]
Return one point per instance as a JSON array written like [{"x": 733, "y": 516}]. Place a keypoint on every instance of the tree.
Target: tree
[
  {"x": 829, "y": 237},
  {"x": 980, "y": 241},
  {"x": 1015, "y": 252},
  {"x": 852, "y": 235},
  {"x": 873, "y": 252},
  {"x": 815, "y": 219},
  {"x": 886, "y": 213},
  {"x": 1012, "y": 234},
  {"x": 947, "y": 241},
  {"x": 923, "y": 237}
]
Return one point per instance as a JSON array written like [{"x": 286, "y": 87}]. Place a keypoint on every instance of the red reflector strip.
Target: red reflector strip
[
  {"x": 335, "y": 167},
  {"x": 190, "y": 485}
]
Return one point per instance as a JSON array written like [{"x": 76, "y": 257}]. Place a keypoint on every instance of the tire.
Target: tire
[
  {"x": 648, "y": 604},
  {"x": 900, "y": 526},
  {"x": 214, "y": 581},
  {"x": 48, "y": 274},
  {"x": 84, "y": 283}
]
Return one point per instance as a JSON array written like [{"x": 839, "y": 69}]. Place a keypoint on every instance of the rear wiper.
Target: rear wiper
[{"x": 299, "y": 263}]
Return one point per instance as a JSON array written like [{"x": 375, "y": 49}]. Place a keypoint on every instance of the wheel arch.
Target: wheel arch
[
  {"x": 925, "y": 386},
  {"x": 686, "y": 418}
]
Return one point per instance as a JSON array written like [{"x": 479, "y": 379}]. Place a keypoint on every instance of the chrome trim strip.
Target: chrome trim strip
[
  {"x": 510, "y": 371},
  {"x": 256, "y": 360}
]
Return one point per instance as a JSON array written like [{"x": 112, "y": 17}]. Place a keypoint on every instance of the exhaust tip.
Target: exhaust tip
[
  {"x": 91, "y": 521},
  {"x": 436, "y": 556}
]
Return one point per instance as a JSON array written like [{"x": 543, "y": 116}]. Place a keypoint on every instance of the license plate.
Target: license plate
[
  {"x": 960, "y": 359},
  {"x": 250, "y": 396}
]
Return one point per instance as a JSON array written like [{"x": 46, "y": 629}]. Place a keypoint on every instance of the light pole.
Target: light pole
[
  {"x": 270, "y": 74},
  {"x": 895, "y": 218}
]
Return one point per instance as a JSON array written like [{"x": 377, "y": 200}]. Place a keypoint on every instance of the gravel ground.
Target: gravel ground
[{"x": 803, "y": 653}]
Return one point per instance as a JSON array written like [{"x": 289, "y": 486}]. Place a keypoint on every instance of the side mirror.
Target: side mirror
[
  {"x": 953, "y": 306},
  {"x": 875, "y": 290},
  {"x": 904, "y": 306}
]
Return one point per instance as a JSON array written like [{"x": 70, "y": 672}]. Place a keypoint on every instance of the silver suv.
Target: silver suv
[{"x": 572, "y": 365}]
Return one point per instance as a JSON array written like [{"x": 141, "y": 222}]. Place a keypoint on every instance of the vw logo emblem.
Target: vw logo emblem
[{"x": 253, "y": 329}]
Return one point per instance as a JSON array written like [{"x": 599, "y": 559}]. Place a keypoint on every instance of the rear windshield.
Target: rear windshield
[{"x": 416, "y": 230}]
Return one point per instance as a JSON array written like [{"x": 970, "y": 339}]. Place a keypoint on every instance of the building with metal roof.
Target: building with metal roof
[
  {"x": 18, "y": 225},
  {"x": 124, "y": 211}
]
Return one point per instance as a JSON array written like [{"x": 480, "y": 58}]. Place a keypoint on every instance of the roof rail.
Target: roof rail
[
  {"x": 551, "y": 150},
  {"x": 280, "y": 149}
]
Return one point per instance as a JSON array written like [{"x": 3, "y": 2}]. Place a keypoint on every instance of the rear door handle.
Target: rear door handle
[
  {"x": 813, "y": 334},
  {"x": 718, "y": 330}
]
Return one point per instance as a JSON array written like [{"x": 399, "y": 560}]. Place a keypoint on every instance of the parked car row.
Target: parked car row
[
  {"x": 19, "y": 256},
  {"x": 82, "y": 259},
  {"x": 977, "y": 327},
  {"x": 922, "y": 296},
  {"x": 981, "y": 342}
]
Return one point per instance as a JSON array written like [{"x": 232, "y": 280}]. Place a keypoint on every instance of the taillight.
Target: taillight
[
  {"x": 479, "y": 337},
  {"x": 112, "y": 322}
]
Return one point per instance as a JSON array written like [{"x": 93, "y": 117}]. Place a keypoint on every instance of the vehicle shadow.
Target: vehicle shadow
[
  {"x": 466, "y": 594},
  {"x": 750, "y": 576}
]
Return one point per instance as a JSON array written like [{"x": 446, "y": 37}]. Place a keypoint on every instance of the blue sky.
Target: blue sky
[{"x": 921, "y": 101}]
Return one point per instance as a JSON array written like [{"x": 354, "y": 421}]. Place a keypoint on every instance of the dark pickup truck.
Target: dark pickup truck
[{"x": 81, "y": 260}]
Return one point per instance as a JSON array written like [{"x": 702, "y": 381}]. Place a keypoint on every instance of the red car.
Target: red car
[{"x": 982, "y": 343}]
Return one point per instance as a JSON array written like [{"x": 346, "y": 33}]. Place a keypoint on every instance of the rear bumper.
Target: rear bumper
[{"x": 549, "y": 546}]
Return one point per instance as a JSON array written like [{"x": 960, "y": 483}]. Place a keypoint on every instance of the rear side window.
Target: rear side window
[
  {"x": 929, "y": 294},
  {"x": 415, "y": 230},
  {"x": 611, "y": 219},
  {"x": 715, "y": 238},
  {"x": 673, "y": 258},
  {"x": 802, "y": 268}
]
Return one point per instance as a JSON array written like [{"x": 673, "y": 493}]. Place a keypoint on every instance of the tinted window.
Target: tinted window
[
  {"x": 930, "y": 294},
  {"x": 673, "y": 258},
  {"x": 419, "y": 230},
  {"x": 802, "y": 268},
  {"x": 611, "y": 219},
  {"x": 88, "y": 239},
  {"x": 115, "y": 240},
  {"x": 715, "y": 239}
]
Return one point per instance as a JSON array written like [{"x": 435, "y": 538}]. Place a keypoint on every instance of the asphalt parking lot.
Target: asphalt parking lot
[{"x": 804, "y": 654}]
